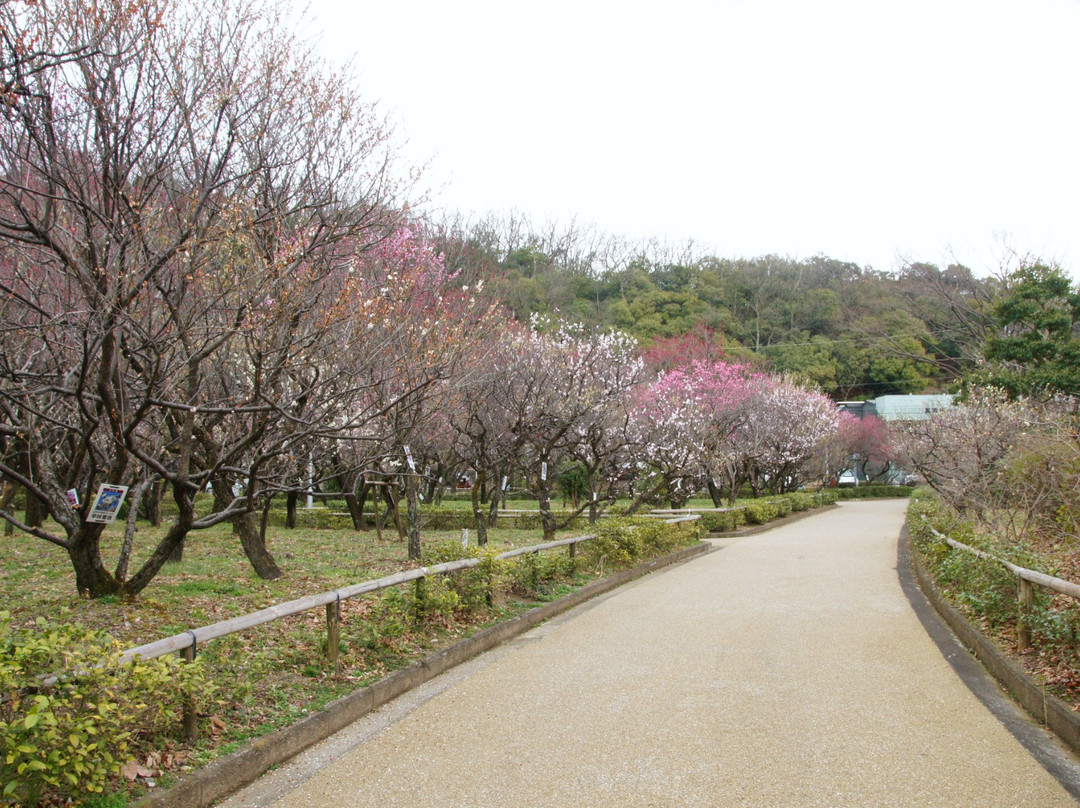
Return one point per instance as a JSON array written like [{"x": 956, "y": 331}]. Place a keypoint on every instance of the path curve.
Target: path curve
[{"x": 787, "y": 669}]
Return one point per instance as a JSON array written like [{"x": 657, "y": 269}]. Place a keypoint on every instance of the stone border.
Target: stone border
[
  {"x": 226, "y": 775},
  {"x": 1044, "y": 707}
]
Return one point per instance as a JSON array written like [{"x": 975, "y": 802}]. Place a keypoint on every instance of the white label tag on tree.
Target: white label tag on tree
[{"x": 107, "y": 503}]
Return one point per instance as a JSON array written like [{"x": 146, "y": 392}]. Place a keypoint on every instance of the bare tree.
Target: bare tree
[{"x": 179, "y": 203}]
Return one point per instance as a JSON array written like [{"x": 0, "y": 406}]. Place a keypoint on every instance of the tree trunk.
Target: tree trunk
[
  {"x": 388, "y": 494},
  {"x": 35, "y": 511},
  {"x": 91, "y": 577},
  {"x": 151, "y": 504},
  {"x": 715, "y": 493},
  {"x": 478, "y": 509},
  {"x": 677, "y": 495},
  {"x": 290, "y": 509},
  {"x": 412, "y": 503},
  {"x": 547, "y": 518},
  {"x": 10, "y": 490},
  {"x": 375, "y": 508},
  {"x": 255, "y": 547},
  {"x": 355, "y": 503}
]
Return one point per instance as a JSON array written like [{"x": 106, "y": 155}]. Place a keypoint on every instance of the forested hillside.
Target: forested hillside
[{"x": 854, "y": 331}]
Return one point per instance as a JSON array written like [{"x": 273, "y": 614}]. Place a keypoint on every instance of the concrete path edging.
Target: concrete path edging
[
  {"x": 220, "y": 778},
  {"x": 1044, "y": 707}
]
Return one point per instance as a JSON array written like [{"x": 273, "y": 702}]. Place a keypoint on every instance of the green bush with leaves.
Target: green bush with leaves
[
  {"x": 760, "y": 512},
  {"x": 826, "y": 497},
  {"x": 873, "y": 491},
  {"x": 801, "y": 501},
  {"x": 532, "y": 574},
  {"x": 617, "y": 543},
  {"x": 71, "y": 713},
  {"x": 624, "y": 541},
  {"x": 475, "y": 587}
]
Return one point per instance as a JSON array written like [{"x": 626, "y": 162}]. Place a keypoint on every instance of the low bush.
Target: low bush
[
  {"x": 530, "y": 575},
  {"x": 760, "y": 512},
  {"x": 63, "y": 741},
  {"x": 825, "y": 497},
  {"x": 871, "y": 491},
  {"x": 624, "y": 541},
  {"x": 475, "y": 587},
  {"x": 801, "y": 501}
]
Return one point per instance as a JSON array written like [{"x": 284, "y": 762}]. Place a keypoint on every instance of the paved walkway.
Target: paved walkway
[{"x": 788, "y": 669}]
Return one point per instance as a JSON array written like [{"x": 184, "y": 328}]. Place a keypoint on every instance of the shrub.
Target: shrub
[
  {"x": 66, "y": 739},
  {"x": 617, "y": 542},
  {"x": 874, "y": 490},
  {"x": 826, "y": 497},
  {"x": 760, "y": 512},
  {"x": 783, "y": 507},
  {"x": 531, "y": 574},
  {"x": 475, "y": 587},
  {"x": 801, "y": 501},
  {"x": 716, "y": 522}
]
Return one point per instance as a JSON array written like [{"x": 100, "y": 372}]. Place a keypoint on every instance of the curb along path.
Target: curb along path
[{"x": 788, "y": 669}]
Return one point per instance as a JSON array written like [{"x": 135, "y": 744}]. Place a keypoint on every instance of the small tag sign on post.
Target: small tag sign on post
[
  {"x": 107, "y": 503},
  {"x": 409, "y": 458},
  {"x": 464, "y": 537},
  {"x": 543, "y": 471}
]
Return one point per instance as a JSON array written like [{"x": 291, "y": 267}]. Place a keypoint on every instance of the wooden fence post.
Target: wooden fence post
[
  {"x": 190, "y": 715},
  {"x": 333, "y": 634},
  {"x": 420, "y": 601},
  {"x": 1023, "y": 620}
]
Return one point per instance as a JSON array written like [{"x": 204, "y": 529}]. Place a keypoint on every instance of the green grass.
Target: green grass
[{"x": 274, "y": 674}]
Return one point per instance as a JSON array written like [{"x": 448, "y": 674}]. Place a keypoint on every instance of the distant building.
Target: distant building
[{"x": 899, "y": 408}]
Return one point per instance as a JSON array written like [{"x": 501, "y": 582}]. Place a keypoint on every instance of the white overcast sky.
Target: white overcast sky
[{"x": 875, "y": 132}]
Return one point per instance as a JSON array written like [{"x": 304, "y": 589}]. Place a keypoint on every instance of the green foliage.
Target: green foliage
[
  {"x": 825, "y": 497},
  {"x": 573, "y": 482},
  {"x": 760, "y": 512},
  {"x": 871, "y": 491},
  {"x": 66, "y": 739},
  {"x": 319, "y": 518},
  {"x": 474, "y": 587},
  {"x": 801, "y": 501},
  {"x": 531, "y": 574},
  {"x": 1037, "y": 348},
  {"x": 624, "y": 542},
  {"x": 617, "y": 542}
]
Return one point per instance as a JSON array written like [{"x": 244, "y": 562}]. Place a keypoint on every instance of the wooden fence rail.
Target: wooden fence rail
[
  {"x": 187, "y": 643},
  {"x": 1025, "y": 577}
]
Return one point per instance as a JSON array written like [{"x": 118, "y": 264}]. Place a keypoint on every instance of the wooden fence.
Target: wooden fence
[
  {"x": 187, "y": 643},
  {"x": 1027, "y": 579}
]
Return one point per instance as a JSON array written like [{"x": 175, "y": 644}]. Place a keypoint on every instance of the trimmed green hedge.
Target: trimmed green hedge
[{"x": 870, "y": 491}]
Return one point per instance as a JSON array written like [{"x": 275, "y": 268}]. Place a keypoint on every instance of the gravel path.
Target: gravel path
[{"x": 788, "y": 669}]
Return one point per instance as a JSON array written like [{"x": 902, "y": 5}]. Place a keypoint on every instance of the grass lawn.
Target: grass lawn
[{"x": 274, "y": 674}]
